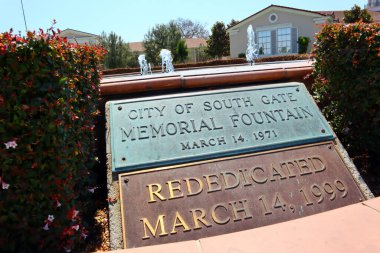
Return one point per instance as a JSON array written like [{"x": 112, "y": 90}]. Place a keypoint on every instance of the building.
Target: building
[
  {"x": 79, "y": 37},
  {"x": 277, "y": 28},
  {"x": 338, "y": 16},
  {"x": 137, "y": 47},
  {"x": 373, "y": 8},
  {"x": 194, "y": 45},
  {"x": 373, "y": 5}
]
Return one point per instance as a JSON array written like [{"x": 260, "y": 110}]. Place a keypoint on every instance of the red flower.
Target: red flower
[
  {"x": 67, "y": 231},
  {"x": 72, "y": 214}
]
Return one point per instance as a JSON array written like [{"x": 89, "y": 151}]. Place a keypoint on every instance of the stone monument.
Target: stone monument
[{"x": 188, "y": 165}]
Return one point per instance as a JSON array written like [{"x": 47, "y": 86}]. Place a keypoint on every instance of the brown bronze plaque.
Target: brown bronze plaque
[{"x": 214, "y": 197}]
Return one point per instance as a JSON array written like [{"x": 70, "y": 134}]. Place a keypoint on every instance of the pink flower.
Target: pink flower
[
  {"x": 50, "y": 218},
  {"x": 83, "y": 235},
  {"x": 4, "y": 185},
  {"x": 46, "y": 227},
  {"x": 76, "y": 227},
  {"x": 75, "y": 213},
  {"x": 10, "y": 144},
  {"x": 92, "y": 190},
  {"x": 111, "y": 200},
  {"x": 58, "y": 204},
  {"x": 72, "y": 214}
]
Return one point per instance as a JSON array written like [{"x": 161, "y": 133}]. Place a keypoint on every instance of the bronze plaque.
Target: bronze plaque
[
  {"x": 226, "y": 195},
  {"x": 188, "y": 127}
]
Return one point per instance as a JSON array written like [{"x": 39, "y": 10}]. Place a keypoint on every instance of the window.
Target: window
[
  {"x": 264, "y": 43},
  {"x": 284, "y": 40},
  {"x": 273, "y": 18}
]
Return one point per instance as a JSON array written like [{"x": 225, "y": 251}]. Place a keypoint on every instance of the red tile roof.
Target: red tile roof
[
  {"x": 136, "y": 46},
  {"x": 339, "y": 15},
  {"x": 195, "y": 42},
  {"x": 190, "y": 43}
]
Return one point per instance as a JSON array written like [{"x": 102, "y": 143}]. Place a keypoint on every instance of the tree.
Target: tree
[
  {"x": 119, "y": 55},
  {"x": 132, "y": 59},
  {"x": 191, "y": 29},
  {"x": 162, "y": 36},
  {"x": 218, "y": 44},
  {"x": 232, "y": 23},
  {"x": 356, "y": 14},
  {"x": 182, "y": 51},
  {"x": 303, "y": 43},
  {"x": 201, "y": 54}
]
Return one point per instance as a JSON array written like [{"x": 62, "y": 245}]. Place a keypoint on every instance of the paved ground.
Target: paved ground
[{"x": 352, "y": 229}]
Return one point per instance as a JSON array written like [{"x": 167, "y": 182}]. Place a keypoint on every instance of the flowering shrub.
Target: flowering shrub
[
  {"x": 48, "y": 103},
  {"x": 347, "y": 83}
]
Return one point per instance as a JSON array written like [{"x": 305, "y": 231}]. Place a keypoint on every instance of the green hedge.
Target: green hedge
[
  {"x": 347, "y": 87},
  {"x": 290, "y": 57},
  {"x": 49, "y": 91}
]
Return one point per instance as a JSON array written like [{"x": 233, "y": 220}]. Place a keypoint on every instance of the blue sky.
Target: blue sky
[{"x": 132, "y": 19}]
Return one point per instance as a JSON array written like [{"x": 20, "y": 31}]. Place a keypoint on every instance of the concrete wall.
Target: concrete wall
[
  {"x": 88, "y": 40},
  {"x": 79, "y": 37}
]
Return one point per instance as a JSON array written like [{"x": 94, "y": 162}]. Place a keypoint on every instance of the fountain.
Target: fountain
[
  {"x": 166, "y": 59},
  {"x": 251, "y": 53},
  {"x": 144, "y": 65}
]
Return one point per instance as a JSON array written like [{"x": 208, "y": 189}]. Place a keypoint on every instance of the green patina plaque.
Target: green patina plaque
[{"x": 170, "y": 129}]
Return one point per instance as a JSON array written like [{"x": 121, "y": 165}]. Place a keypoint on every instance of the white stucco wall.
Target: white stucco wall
[{"x": 303, "y": 21}]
